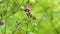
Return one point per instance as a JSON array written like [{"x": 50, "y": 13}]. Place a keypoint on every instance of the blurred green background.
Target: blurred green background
[{"x": 47, "y": 13}]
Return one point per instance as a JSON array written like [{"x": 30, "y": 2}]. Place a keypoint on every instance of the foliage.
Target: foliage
[{"x": 47, "y": 13}]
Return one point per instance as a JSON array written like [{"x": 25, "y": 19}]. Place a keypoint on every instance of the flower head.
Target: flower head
[
  {"x": 27, "y": 9},
  {"x": 2, "y": 22}
]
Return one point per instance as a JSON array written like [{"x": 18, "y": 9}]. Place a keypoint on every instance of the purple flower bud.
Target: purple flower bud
[
  {"x": 27, "y": 9},
  {"x": 2, "y": 22}
]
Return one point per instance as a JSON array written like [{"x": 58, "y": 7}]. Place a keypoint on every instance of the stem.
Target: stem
[
  {"x": 29, "y": 20},
  {"x": 27, "y": 29},
  {"x": 6, "y": 17}
]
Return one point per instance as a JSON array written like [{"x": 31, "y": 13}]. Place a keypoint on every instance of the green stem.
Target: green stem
[
  {"x": 29, "y": 20},
  {"x": 27, "y": 29}
]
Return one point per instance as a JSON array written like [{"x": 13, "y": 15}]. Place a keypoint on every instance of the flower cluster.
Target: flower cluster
[{"x": 29, "y": 14}]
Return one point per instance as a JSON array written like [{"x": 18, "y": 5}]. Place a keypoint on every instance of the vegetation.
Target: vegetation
[{"x": 29, "y": 16}]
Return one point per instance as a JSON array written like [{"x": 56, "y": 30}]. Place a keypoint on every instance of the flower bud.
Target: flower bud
[
  {"x": 33, "y": 17},
  {"x": 28, "y": 13}
]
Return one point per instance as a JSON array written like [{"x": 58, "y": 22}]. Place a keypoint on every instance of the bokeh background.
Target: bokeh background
[{"x": 47, "y": 13}]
